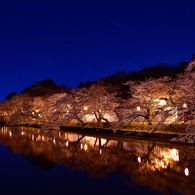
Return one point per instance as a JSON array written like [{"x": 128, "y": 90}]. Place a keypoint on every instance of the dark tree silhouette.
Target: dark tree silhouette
[
  {"x": 45, "y": 87},
  {"x": 81, "y": 85},
  {"x": 10, "y": 95}
]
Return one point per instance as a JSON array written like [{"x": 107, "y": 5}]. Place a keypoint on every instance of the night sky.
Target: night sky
[{"x": 78, "y": 40}]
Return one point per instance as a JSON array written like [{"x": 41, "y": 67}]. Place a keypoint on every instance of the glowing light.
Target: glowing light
[
  {"x": 33, "y": 137},
  {"x": 138, "y": 108},
  {"x": 33, "y": 112},
  {"x": 10, "y": 133},
  {"x": 85, "y": 108},
  {"x": 43, "y": 138},
  {"x": 22, "y": 132},
  {"x": 185, "y": 105},
  {"x": 174, "y": 153},
  {"x": 139, "y": 159},
  {"x": 100, "y": 151},
  {"x": 186, "y": 171},
  {"x": 85, "y": 147},
  {"x": 163, "y": 165},
  {"x": 162, "y": 102},
  {"x": 81, "y": 146},
  {"x": 54, "y": 141},
  {"x": 67, "y": 144}
]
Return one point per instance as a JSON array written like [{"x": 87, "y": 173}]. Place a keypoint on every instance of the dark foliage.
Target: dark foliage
[
  {"x": 10, "y": 95},
  {"x": 45, "y": 87}
]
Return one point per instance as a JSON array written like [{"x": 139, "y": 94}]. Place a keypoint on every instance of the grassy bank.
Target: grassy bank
[{"x": 168, "y": 128}]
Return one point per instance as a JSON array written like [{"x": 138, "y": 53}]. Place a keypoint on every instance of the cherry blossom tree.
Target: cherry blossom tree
[
  {"x": 152, "y": 101},
  {"x": 185, "y": 84},
  {"x": 70, "y": 107},
  {"x": 99, "y": 104},
  {"x": 35, "y": 110}
]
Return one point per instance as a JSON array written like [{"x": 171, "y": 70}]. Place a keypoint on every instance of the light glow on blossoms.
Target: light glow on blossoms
[{"x": 85, "y": 108}]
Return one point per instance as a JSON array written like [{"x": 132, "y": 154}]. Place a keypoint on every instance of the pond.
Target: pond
[{"x": 62, "y": 162}]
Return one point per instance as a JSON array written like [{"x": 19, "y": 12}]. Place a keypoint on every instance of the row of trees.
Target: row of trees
[{"x": 154, "y": 101}]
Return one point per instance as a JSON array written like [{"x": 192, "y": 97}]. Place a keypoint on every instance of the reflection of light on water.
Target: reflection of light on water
[
  {"x": 103, "y": 141},
  {"x": 92, "y": 140},
  {"x": 67, "y": 144},
  {"x": 139, "y": 159},
  {"x": 72, "y": 137},
  {"x": 10, "y": 133},
  {"x": 33, "y": 137},
  {"x": 22, "y": 132},
  {"x": 174, "y": 153},
  {"x": 54, "y": 141},
  {"x": 100, "y": 151},
  {"x": 85, "y": 147},
  {"x": 81, "y": 146},
  {"x": 186, "y": 171},
  {"x": 168, "y": 155},
  {"x": 43, "y": 138},
  {"x": 163, "y": 165},
  {"x": 171, "y": 154}
]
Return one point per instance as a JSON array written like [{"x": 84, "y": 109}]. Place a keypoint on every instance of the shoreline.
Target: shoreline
[
  {"x": 120, "y": 134},
  {"x": 154, "y": 137}
]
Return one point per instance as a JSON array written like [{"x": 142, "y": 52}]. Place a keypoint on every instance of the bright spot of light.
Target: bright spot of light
[
  {"x": 81, "y": 146},
  {"x": 85, "y": 108},
  {"x": 162, "y": 102},
  {"x": 186, "y": 171},
  {"x": 163, "y": 165},
  {"x": 100, "y": 151},
  {"x": 139, "y": 159},
  {"x": 85, "y": 147},
  {"x": 67, "y": 144},
  {"x": 185, "y": 105}
]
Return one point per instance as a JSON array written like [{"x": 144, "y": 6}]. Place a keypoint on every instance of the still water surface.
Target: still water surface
[{"x": 59, "y": 162}]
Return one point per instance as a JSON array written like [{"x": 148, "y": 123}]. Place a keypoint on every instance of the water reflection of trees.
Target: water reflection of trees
[{"x": 159, "y": 166}]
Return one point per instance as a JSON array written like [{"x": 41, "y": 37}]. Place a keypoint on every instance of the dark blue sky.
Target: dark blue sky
[{"x": 78, "y": 40}]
